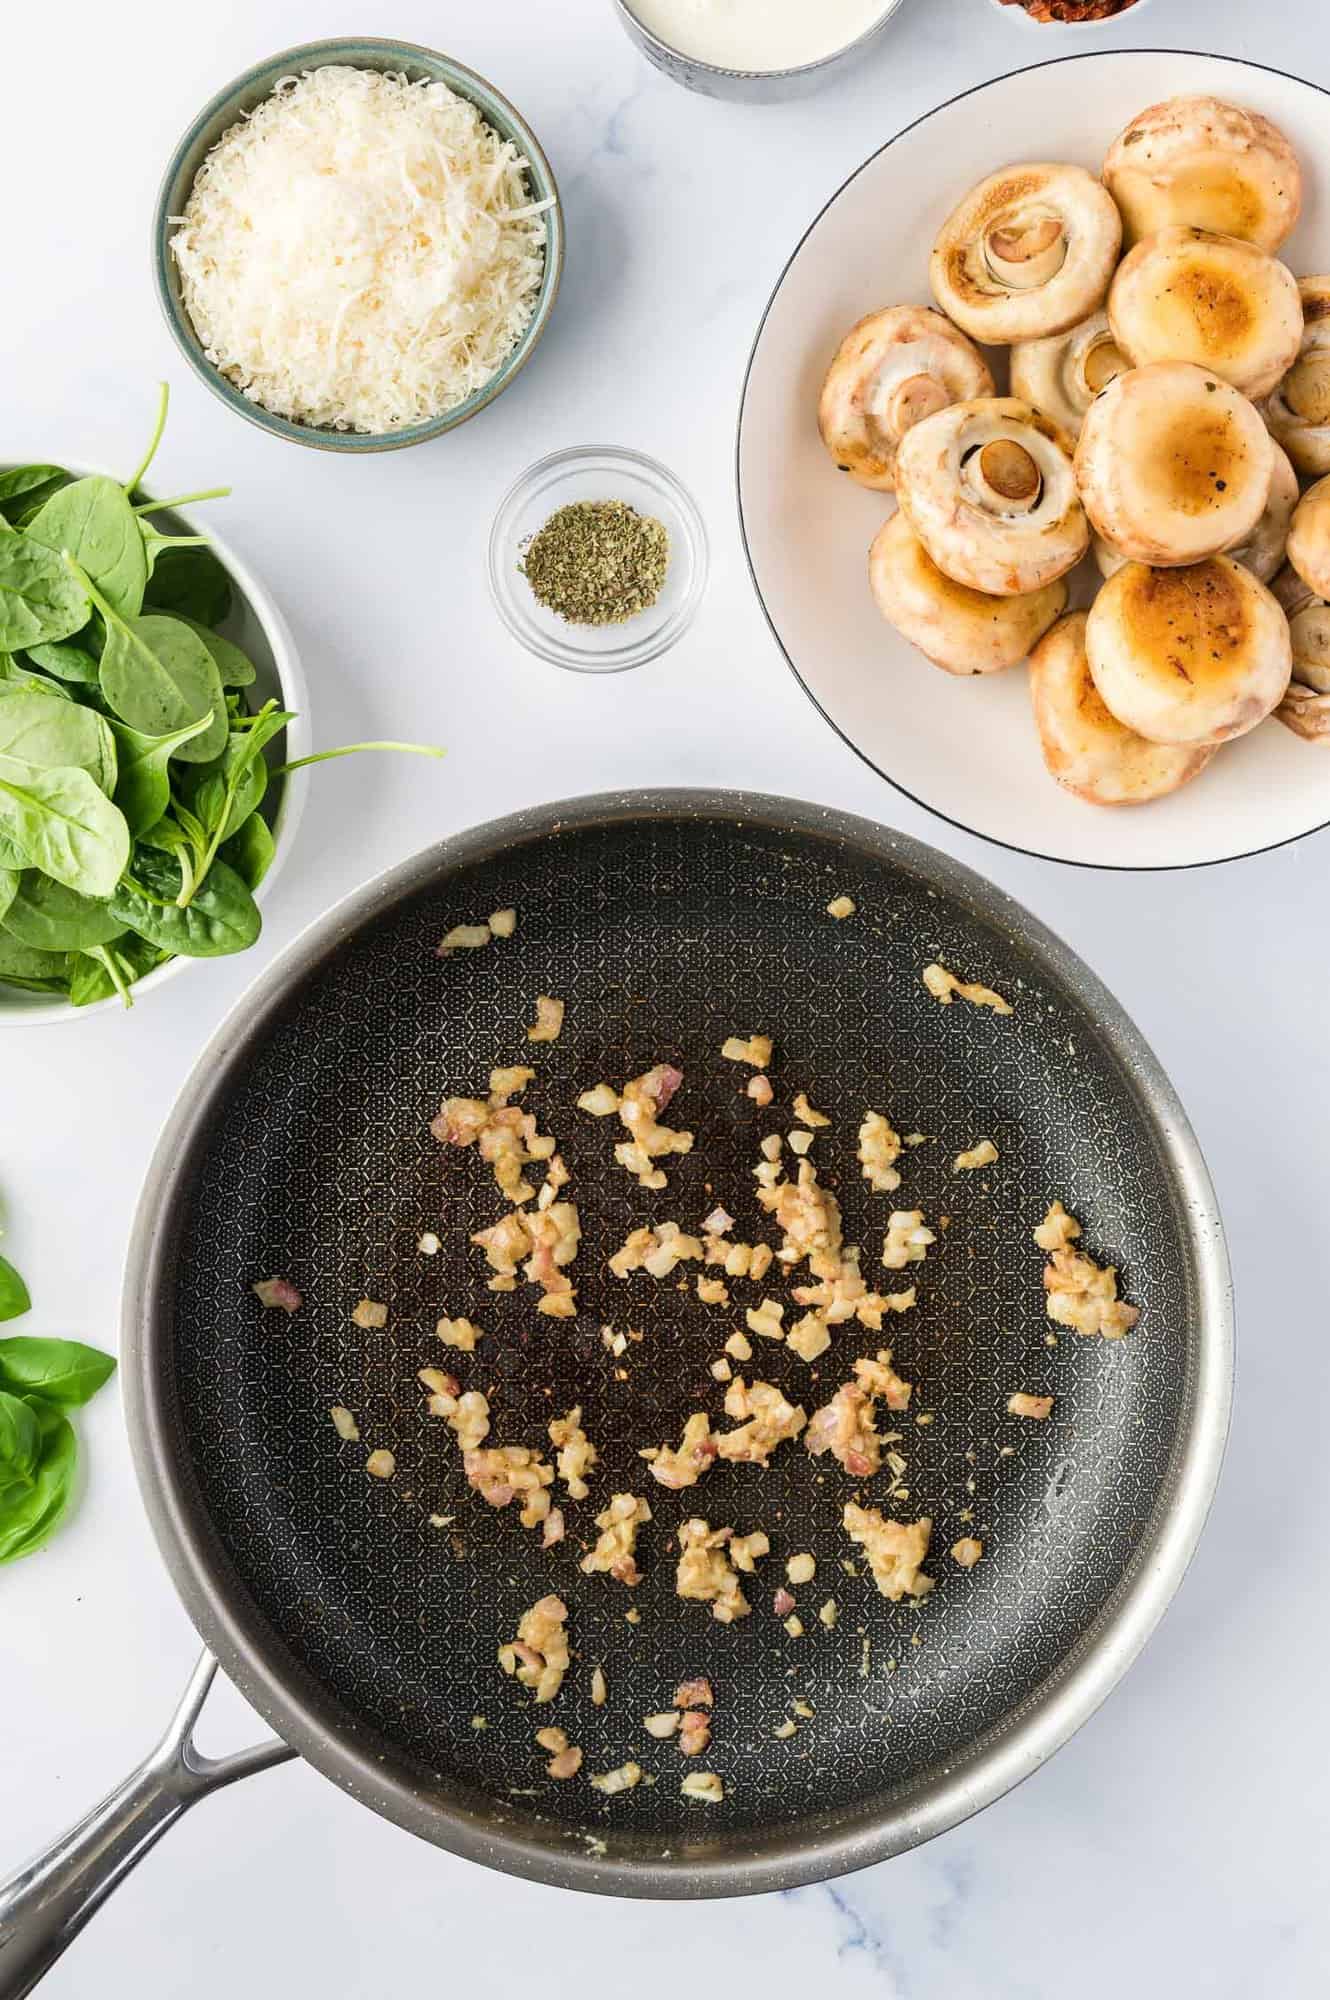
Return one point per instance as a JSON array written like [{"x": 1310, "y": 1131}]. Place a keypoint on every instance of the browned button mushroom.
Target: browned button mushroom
[
  {"x": 963, "y": 631},
  {"x": 1192, "y": 656},
  {"x": 1029, "y": 252},
  {"x": 891, "y": 370},
  {"x": 1305, "y": 708},
  {"x": 989, "y": 490},
  {"x": 1263, "y": 551},
  {"x": 1062, "y": 375},
  {"x": 1184, "y": 295},
  {"x": 1198, "y": 162},
  {"x": 1298, "y": 409},
  {"x": 1173, "y": 465},
  {"x": 1085, "y": 747},
  {"x": 1309, "y": 538}
]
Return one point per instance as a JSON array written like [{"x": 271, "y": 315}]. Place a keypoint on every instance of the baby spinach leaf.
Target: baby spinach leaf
[
  {"x": 143, "y": 787},
  {"x": 63, "y": 1371},
  {"x": 14, "y": 1300},
  {"x": 158, "y": 676},
  {"x": 20, "y": 1441},
  {"x": 40, "y": 730},
  {"x": 20, "y": 965},
  {"x": 94, "y": 523},
  {"x": 50, "y": 917},
  {"x": 15, "y": 675},
  {"x": 9, "y": 881},
  {"x": 250, "y": 850},
  {"x": 65, "y": 825},
  {"x": 221, "y": 918},
  {"x": 28, "y": 1518},
  {"x": 12, "y": 858},
  {"x": 22, "y": 481},
  {"x": 190, "y": 581},
  {"x": 107, "y": 969},
  {"x": 66, "y": 661},
  {"x": 235, "y": 668},
  {"x": 39, "y": 598}
]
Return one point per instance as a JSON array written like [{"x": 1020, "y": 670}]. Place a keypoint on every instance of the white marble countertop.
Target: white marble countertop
[{"x": 1181, "y": 1843}]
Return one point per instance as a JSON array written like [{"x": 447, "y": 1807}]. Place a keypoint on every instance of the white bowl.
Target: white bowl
[
  {"x": 967, "y": 749},
  {"x": 256, "y": 624},
  {"x": 1057, "y": 29}
]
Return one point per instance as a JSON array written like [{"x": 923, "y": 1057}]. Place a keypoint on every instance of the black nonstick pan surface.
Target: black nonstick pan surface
[{"x": 367, "y": 1634}]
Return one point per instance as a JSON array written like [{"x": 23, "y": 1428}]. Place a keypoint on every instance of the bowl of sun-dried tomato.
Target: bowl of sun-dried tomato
[{"x": 1070, "y": 13}]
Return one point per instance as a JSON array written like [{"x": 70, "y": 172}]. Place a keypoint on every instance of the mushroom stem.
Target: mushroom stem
[
  {"x": 1008, "y": 469},
  {"x": 1023, "y": 255},
  {"x": 917, "y": 397},
  {"x": 1103, "y": 364}
]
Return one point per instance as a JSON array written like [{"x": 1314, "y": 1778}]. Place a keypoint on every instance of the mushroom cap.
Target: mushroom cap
[
  {"x": 1185, "y": 295},
  {"x": 1309, "y": 538},
  {"x": 1309, "y": 629},
  {"x": 1085, "y": 747},
  {"x": 1062, "y": 375},
  {"x": 1029, "y": 252},
  {"x": 1262, "y": 552},
  {"x": 963, "y": 631},
  {"x": 1298, "y": 408},
  {"x": 989, "y": 489},
  {"x": 1201, "y": 162},
  {"x": 1305, "y": 708},
  {"x": 1196, "y": 655},
  {"x": 1173, "y": 465},
  {"x": 893, "y": 368}
]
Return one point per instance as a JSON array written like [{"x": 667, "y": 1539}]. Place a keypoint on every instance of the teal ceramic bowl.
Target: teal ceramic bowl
[{"x": 250, "y": 90}]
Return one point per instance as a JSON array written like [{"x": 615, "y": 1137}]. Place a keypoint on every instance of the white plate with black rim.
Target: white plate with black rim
[{"x": 967, "y": 748}]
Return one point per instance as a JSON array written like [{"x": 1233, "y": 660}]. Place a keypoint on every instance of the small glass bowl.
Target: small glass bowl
[{"x": 604, "y": 472}]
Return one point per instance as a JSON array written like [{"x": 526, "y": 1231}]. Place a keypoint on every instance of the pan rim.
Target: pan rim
[{"x": 1000, "y": 1758}]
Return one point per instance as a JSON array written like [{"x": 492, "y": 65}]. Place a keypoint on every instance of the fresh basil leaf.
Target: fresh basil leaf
[
  {"x": 93, "y": 522},
  {"x": 29, "y": 1520},
  {"x": 221, "y": 918},
  {"x": 50, "y": 917},
  {"x": 66, "y": 661},
  {"x": 20, "y": 1440},
  {"x": 190, "y": 581},
  {"x": 39, "y": 599},
  {"x": 43, "y": 732},
  {"x": 158, "y": 676},
  {"x": 63, "y": 1371},
  {"x": 65, "y": 825},
  {"x": 14, "y": 1299},
  {"x": 251, "y": 850}
]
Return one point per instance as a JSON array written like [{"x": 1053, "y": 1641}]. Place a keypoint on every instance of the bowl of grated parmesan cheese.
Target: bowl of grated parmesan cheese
[{"x": 358, "y": 244}]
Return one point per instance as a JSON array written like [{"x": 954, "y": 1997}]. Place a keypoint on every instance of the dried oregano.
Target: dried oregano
[{"x": 597, "y": 562}]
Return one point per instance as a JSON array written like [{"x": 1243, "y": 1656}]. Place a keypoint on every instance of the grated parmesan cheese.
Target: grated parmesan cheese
[{"x": 360, "y": 252}]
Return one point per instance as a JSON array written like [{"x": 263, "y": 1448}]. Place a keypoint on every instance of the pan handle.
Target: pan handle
[{"x": 47, "y": 1902}]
